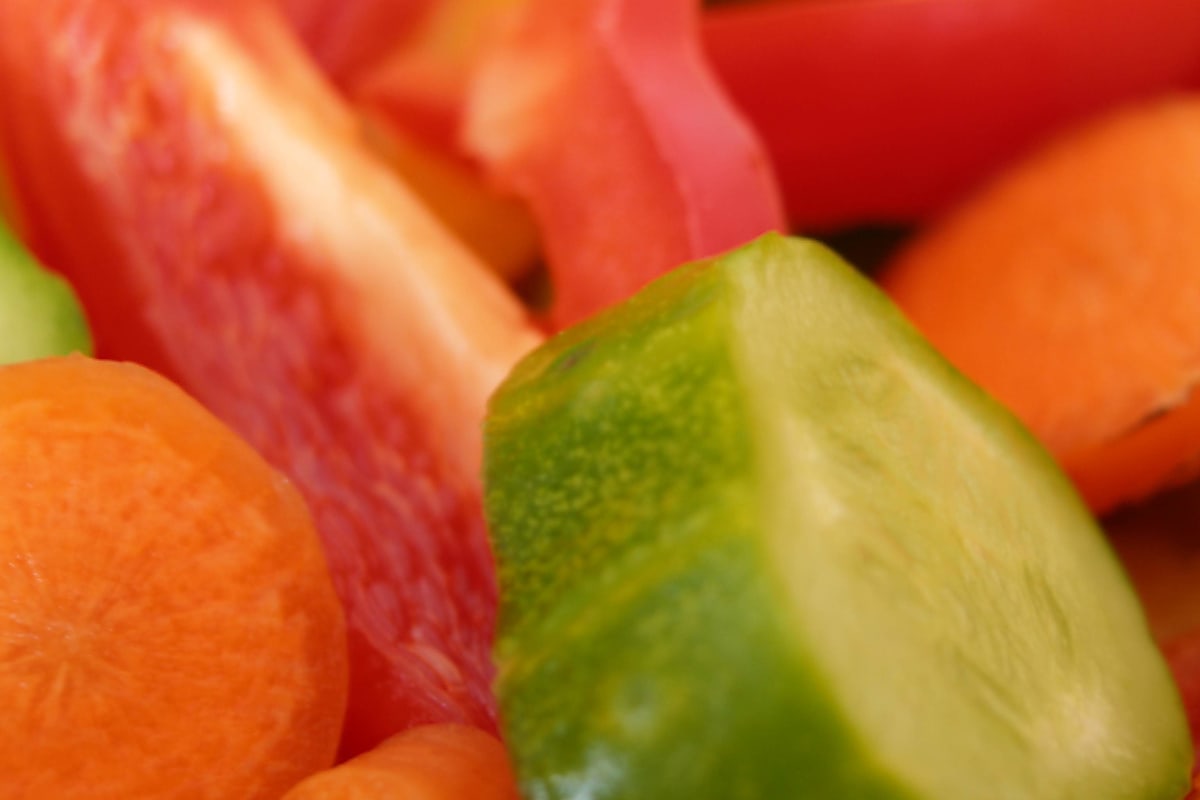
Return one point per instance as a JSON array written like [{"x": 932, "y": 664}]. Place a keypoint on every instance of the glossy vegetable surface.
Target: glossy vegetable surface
[
  {"x": 885, "y": 111},
  {"x": 191, "y": 149}
]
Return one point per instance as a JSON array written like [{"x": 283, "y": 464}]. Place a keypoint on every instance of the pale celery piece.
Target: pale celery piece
[
  {"x": 757, "y": 541},
  {"x": 39, "y": 313}
]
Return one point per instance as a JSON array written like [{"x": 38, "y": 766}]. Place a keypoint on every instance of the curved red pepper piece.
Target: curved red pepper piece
[
  {"x": 880, "y": 111},
  {"x": 348, "y": 36},
  {"x": 603, "y": 114}
]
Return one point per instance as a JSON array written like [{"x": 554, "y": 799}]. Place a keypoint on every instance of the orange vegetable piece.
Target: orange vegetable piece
[
  {"x": 432, "y": 762},
  {"x": 1069, "y": 290},
  {"x": 168, "y": 627}
]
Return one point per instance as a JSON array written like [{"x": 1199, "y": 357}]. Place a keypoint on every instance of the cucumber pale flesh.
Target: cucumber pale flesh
[
  {"x": 757, "y": 540},
  {"x": 39, "y": 313}
]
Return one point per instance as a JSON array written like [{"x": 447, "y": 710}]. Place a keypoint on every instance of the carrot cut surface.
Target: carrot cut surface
[
  {"x": 224, "y": 223},
  {"x": 168, "y": 627}
]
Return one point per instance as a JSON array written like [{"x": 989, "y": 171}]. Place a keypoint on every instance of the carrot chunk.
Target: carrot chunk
[
  {"x": 168, "y": 627},
  {"x": 1069, "y": 290},
  {"x": 432, "y": 762}
]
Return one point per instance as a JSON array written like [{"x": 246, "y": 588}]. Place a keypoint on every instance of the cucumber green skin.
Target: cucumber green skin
[
  {"x": 39, "y": 313},
  {"x": 658, "y": 565},
  {"x": 645, "y": 646}
]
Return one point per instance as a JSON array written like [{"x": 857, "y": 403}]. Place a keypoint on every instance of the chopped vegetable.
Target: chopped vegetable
[
  {"x": 1069, "y": 290},
  {"x": 757, "y": 539},
  {"x": 349, "y": 36},
  {"x": 168, "y": 627},
  {"x": 39, "y": 314},
  {"x": 494, "y": 224},
  {"x": 433, "y": 762},
  {"x": 1160, "y": 550},
  {"x": 877, "y": 111},
  {"x": 604, "y": 116},
  {"x": 256, "y": 252},
  {"x": 424, "y": 79},
  {"x": 414, "y": 97}
]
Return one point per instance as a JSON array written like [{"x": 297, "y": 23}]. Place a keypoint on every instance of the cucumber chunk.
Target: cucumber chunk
[
  {"x": 758, "y": 541},
  {"x": 39, "y": 313}
]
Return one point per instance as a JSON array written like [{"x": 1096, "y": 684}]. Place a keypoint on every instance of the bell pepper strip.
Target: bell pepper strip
[
  {"x": 9, "y": 214},
  {"x": 1156, "y": 541},
  {"x": 495, "y": 225},
  {"x": 1183, "y": 656},
  {"x": 185, "y": 165},
  {"x": 876, "y": 111},
  {"x": 410, "y": 96},
  {"x": 422, "y": 82},
  {"x": 413, "y": 99},
  {"x": 604, "y": 115},
  {"x": 347, "y": 36}
]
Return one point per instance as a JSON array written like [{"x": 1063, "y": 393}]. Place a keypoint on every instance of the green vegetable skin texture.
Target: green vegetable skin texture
[
  {"x": 39, "y": 313},
  {"x": 758, "y": 541}
]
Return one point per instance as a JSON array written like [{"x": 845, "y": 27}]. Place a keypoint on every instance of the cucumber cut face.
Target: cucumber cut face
[
  {"x": 39, "y": 313},
  {"x": 757, "y": 540}
]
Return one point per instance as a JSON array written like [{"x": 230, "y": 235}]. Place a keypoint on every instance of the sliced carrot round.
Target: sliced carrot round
[
  {"x": 431, "y": 762},
  {"x": 1070, "y": 289},
  {"x": 168, "y": 627}
]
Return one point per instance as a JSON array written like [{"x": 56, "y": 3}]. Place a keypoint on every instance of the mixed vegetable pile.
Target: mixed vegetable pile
[{"x": 730, "y": 516}]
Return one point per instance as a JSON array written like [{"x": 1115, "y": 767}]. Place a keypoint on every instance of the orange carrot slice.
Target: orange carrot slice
[
  {"x": 1070, "y": 289},
  {"x": 168, "y": 627},
  {"x": 433, "y": 762}
]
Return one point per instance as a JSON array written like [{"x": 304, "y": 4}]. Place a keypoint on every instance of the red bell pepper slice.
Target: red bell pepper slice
[
  {"x": 878, "y": 111},
  {"x": 1183, "y": 656},
  {"x": 413, "y": 98},
  {"x": 1160, "y": 551},
  {"x": 182, "y": 163},
  {"x": 8, "y": 206},
  {"x": 347, "y": 36},
  {"x": 421, "y": 84},
  {"x": 604, "y": 115}
]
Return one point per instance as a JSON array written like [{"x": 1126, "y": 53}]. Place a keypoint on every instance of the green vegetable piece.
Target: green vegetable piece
[
  {"x": 39, "y": 313},
  {"x": 758, "y": 541}
]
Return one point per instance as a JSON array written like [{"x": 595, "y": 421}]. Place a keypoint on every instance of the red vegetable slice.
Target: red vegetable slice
[
  {"x": 414, "y": 98},
  {"x": 421, "y": 83},
  {"x": 1183, "y": 655},
  {"x": 347, "y": 36},
  {"x": 884, "y": 111},
  {"x": 605, "y": 117},
  {"x": 8, "y": 208},
  {"x": 1158, "y": 544},
  {"x": 182, "y": 163}
]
